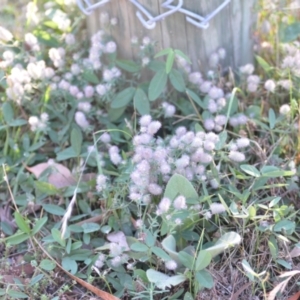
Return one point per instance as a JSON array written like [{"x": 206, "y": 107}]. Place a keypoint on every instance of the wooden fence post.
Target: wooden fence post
[{"x": 231, "y": 29}]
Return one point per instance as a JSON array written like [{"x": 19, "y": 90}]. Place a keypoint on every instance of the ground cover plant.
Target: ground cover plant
[{"x": 183, "y": 186}]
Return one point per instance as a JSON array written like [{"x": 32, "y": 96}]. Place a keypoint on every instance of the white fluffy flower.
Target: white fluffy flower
[
  {"x": 111, "y": 47},
  {"x": 284, "y": 109},
  {"x": 81, "y": 120},
  {"x": 180, "y": 203},
  {"x": 164, "y": 205},
  {"x": 242, "y": 142},
  {"x": 236, "y": 156},
  {"x": 217, "y": 208},
  {"x": 270, "y": 85},
  {"x": 171, "y": 265}
]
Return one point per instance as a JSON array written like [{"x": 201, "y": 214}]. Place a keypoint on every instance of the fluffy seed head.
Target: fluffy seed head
[
  {"x": 242, "y": 142},
  {"x": 236, "y": 156},
  {"x": 171, "y": 265},
  {"x": 81, "y": 120},
  {"x": 284, "y": 109},
  {"x": 270, "y": 85},
  {"x": 217, "y": 208},
  {"x": 154, "y": 189},
  {"x": 209, "y": 124},
  {"x": 164, "y": 205},
  {"x": 145, "y": 120},
  {"x": 180, "y": 203}
]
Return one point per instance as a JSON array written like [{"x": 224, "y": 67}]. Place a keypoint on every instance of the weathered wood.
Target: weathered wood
[{"x": 231, "y": 29}]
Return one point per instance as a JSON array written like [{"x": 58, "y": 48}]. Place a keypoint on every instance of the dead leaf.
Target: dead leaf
[
  {"x": 16, "y": 268},
  {"x": 235, "y": 296},
  {"x": 60, "y": 175},
  {"x": 90, "y": 220},
  {"x": 88, "y": 177},
  {"x": 10, "y": 279},
  {"x": 281, "y": 286},
  {"x": 295, "y": 252},
  {"x": 295, "y": 297}
]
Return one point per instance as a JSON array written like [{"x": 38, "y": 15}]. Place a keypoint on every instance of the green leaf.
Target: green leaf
[
  {"x": 123, "y": 98},
  {"x": 170, "y": 61},
  {"x": 46, "y": 188},
  {"x": 177, "y": 80},
  {"x": 273, "y": 172},
  {"x": 76, "y": 140},
  {"x": 90, "y": 76},
  {"x": 204, "y": 279},
  {"x": 203, "y": 260},
  {"x": 128, "y": 65},
  {"x": 7, "y": 112},
  {"x": 179, "y": 185},
  {"x": 54, "y": 209},
  {"x": 138, "y": 273},
  {"x": 162, "y": 281},
  {"x": 7, "y": 228},
  {"x": 169, "y": 244},
  {"x": 17, "y": 238},
  {"x": 86, "y": 238},
  {"x": 284, "y": 263},
  {"x": 195, "y": 98},
  {"x": 139, "y": 247},
  {"x": 249, "y": 271},
  {"x": 285, "y": 225},
  {"x": 186, "y": 259},
  {"x": 163, "y": 52},
  {"x": 115, "y": 114},
  {"x": 157, "y": 85},
  {"x": 81, "y": 254},
  {"x": 76, "y": 245},
  {"x": 46, "y": 38},
  {"x": 47, "y": 264},
  {"x": 226, "y": 241},
  {"x": 17, "y": 123},
  {"x": 141, "y": 102},
  {"x": 34, "y": 280},
  {"x": 50, "y": 24},
  {"x": 68, "y": 246},
  {"x": 56, "y": 234},
  {"x": 36, "y": 146},
  {"x": 17, "y": 295},
  {"x": 156, "y": 65},
  {"x": 160, "y": 253},
  {"x": 289, "y": 33},
  {"x": 69, "y": 265},
  {"x": 273, "y": 246},
  {"x": 21, "y": 223},
  {"x": 39, "y": 225},
  {"x": 106, "y": 229},
  {"x": 66, "y": 154},
  {"x": 188, "y": 296},
  {"x": 177, "y": 295},
  {"x": 90, "y": 227},
  {"x": 222, "y": 140},
  {"x": 251, "y": 170},
  {"x": 272, "y": 118},
  {"x": 263, "y": 63},
  {"x": 150, "y": 239},
  {"x": 182, "y": 55}
]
